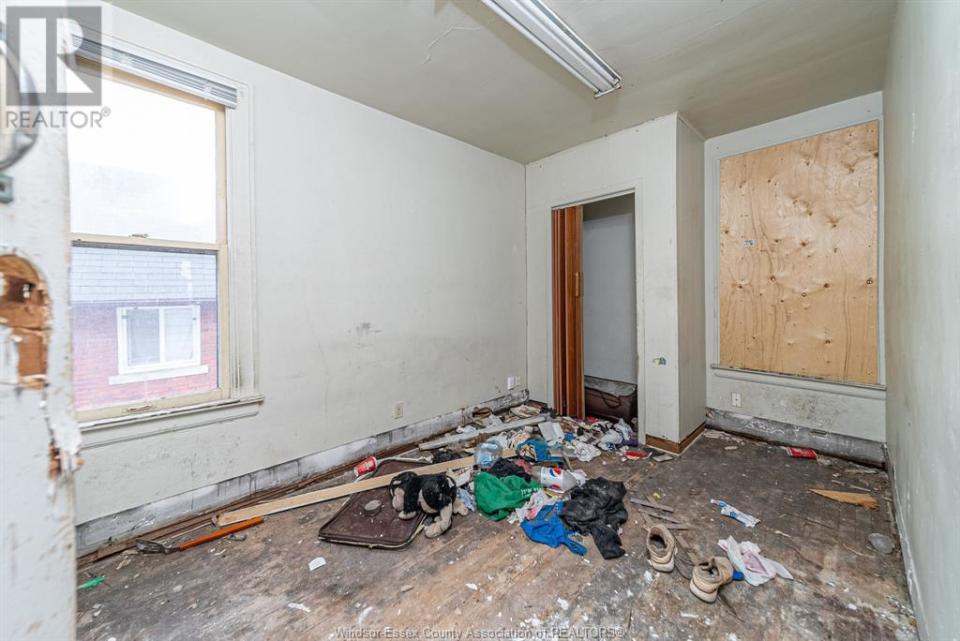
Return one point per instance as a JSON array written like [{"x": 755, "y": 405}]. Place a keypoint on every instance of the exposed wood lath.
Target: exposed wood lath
[{"x": 798, "y": 257}]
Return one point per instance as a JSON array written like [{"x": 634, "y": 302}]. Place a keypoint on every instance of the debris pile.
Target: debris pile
[
  {"x": 524, "y": 473},
  {"x": 517, "y": 466},
  {"x": 520, "y": 467}
]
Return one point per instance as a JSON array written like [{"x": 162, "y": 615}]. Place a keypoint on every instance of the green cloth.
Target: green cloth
[
  {"x": 497, "y": 497},
  {"x": 92, "y": 583}
]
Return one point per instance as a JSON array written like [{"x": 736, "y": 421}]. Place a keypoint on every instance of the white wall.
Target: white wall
[
  {"x": 37, "y": 553},
  {"x": 390, "y": 267},
  {"x": 690, "y": 278},
  {"x": 609, "y": 290},
  {"x": 642, "y": 159},
  {"x": 921, "y": 101},
  {"x": 852, "y": 410}
]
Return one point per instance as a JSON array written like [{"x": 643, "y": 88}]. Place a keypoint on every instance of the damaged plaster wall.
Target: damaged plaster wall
[
  {"x": 856, "y": 411},
  {"x": 38, "y": 437},
  {"x": 390, "y": 268},
  {"x": 642, "y": 159},
  {"x": 921, "y": 102}
]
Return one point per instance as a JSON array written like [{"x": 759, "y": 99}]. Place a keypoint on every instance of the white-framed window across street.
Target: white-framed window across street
[
  {"x": 161, "y": 284},
  {"x": 155, "y": 342}
]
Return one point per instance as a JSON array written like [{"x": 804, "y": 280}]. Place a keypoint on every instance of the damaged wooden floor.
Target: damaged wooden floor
[{"x": 486, "y": 576}]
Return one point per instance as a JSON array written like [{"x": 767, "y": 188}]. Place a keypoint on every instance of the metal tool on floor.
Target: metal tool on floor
[{"x": 147, "y": 546}]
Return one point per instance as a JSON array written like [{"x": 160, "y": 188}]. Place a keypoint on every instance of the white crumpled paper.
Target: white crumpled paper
[{"x": 583, "y": 451}]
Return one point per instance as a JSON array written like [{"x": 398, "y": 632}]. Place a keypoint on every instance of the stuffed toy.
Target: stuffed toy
[{"x": 435, "y": 494}]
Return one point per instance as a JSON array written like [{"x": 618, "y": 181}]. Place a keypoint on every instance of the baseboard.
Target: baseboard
[
  {"x": 852, "y": 448},
  {"x": 672, "y": 446},
  {"x": 110, "y": 532},
  {"x": 908, "y": 565}
]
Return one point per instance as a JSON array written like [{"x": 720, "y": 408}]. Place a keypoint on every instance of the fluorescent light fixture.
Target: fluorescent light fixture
[{"x": 547, "y": 30}]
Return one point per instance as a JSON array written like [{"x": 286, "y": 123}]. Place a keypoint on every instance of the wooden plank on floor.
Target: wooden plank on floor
[{"x": 330, "y": 493}]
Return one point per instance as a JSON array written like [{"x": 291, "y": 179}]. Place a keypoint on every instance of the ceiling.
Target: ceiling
[{"x": 455, "y": 67}]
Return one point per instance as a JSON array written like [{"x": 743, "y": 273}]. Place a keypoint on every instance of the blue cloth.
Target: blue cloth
[
  {"x": 547, "y": 528},
  {"x": 536, "y": 450}
]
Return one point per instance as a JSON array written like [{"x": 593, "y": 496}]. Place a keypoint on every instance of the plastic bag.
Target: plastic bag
[{"x": 746, "y": 557}]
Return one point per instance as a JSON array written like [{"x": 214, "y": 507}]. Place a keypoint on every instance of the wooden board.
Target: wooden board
[
  {"x": 330, "y": 493},
  {"x": 853, "y": 498},
  {"x": 496, "y": 429},
  {"x": 671, "y": 446},
  {"x": 798, "y": 257}
]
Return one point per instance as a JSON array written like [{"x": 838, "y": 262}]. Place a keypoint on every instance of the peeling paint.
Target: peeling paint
[
  {"x": 841, "y": 445},
  {"x": 39, "y": 438},
  {"x": 25, "y": 327}
]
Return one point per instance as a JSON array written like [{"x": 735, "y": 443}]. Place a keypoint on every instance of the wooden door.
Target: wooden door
[{"x": 568, "y": 396}]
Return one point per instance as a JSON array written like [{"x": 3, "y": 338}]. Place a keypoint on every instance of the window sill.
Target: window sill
[
  {"x": 861, "y": 390},
  {"x": 157, "y": 374},
  {"x": 108, "y": 431}
]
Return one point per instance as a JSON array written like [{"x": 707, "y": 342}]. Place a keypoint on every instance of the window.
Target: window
[
  {"x": 148, "y": 279},
  {"x": 158, "y": 342}
]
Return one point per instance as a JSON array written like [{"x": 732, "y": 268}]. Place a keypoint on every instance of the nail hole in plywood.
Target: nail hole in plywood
[{"x": 24, "y": 309}]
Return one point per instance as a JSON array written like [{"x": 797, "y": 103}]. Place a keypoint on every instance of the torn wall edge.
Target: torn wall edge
[{"x": 25, "y": 335}]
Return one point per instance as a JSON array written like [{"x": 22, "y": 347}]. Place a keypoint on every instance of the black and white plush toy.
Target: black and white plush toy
[{"x": 434, "y": 494}]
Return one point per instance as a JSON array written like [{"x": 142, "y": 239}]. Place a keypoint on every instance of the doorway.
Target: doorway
[{"x": 595, "y": 309}]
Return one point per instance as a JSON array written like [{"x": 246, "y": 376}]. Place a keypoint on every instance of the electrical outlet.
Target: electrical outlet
[
  {"x": 735, "y": 399},
  {"x": 398, "y": 409},
  {"x": 512, "y": 381}
]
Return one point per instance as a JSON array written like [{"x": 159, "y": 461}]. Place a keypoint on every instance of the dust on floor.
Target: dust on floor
[{"x": 487, "y": 578}]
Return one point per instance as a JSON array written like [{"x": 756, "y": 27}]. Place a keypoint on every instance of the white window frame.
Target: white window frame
[
  {"x": 162, "y": 368},
  {"x": 219, "y": 248},
  {"x": 239, "y": 395}
]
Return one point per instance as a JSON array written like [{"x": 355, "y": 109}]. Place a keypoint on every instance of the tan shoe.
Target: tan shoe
[
  {"x": 709, "y": 576},
  {"x": 661, "y": 548}
]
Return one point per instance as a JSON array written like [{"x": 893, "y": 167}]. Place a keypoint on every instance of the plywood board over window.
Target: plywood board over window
[{"x": 798, "y": 257}]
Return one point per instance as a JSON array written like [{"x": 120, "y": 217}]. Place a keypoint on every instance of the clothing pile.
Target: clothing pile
[
  {"x": 536, "y": 485},
  {"x": 597, "y": 509},
  {"x": 498, "y": 497}
]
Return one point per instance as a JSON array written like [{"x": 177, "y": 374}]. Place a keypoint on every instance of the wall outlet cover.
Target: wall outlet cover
[
  {"x": 735, "y": 399},
  {"x": 398, "y": 409}
]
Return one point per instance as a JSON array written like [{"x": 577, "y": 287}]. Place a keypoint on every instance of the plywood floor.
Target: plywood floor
[{"x": 242, "y": 589}]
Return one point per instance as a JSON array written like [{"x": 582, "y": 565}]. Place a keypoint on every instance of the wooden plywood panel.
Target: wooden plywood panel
[{"x": 798, "y": 257}]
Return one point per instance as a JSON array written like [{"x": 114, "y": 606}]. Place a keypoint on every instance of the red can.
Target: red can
[{"x": 365, "y": 466}]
